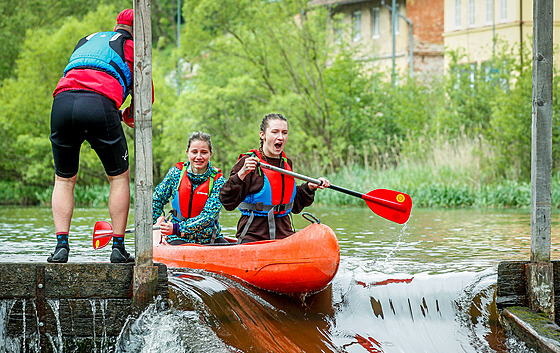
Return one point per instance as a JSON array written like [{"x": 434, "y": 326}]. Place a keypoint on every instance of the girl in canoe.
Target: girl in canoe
[
  {"x": 266, "y": 198},
  {"x": 193, "y": 188}
]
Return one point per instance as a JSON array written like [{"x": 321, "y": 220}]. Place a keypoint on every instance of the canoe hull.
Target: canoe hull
[{"x": 305, "y": 262}]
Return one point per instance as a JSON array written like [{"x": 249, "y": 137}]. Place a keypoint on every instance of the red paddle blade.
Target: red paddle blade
[
  {"x": 102, "y": 234},
  {"x": 392, "y": 205}
]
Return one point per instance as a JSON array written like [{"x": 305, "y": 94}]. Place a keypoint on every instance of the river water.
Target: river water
[{"x": 427, "y": 286}]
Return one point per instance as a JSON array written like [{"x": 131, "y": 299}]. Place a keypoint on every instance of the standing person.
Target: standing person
[
  {"x": 265, "y": 197},
  {"x": 96, "y": 82},
  {"x": 194, "y": 187}
]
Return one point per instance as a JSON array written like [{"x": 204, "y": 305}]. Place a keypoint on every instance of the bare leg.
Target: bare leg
[
  {"x": 119, "y": 201},
  {"x": 63, "y": 202}
]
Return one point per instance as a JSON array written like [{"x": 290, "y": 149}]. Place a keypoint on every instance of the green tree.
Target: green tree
[
  {"x": 18, "y": 17},
  {"x": 256, "y": 57}
]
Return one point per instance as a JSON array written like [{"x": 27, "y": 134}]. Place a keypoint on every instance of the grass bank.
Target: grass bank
[
  {"x": 438, "y": 173},
  {"x": 14, "y": 193},
  {"x": 435, "y": 172}
]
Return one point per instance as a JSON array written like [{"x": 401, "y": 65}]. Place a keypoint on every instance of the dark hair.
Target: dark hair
[
  {"x": 267, "y": 118},
  {"x": 200, "y": 136}
]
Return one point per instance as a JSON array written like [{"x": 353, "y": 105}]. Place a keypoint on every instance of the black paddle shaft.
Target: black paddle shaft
[{"x": 311, "y": 180}]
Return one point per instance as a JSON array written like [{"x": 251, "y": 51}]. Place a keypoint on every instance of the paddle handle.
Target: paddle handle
[
  {"x": 311, "y": 180},
  {"x": 292, "y": 174},
  {"x": 391, "y": 204}
]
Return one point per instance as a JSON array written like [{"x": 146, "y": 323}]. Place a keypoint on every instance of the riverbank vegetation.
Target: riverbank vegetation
[{"x": 460, "y": 139}]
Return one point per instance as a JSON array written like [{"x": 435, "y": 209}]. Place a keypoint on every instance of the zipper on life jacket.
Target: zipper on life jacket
[
  {"x": 282, "y": 196},
  {"x": 190, "y": 201}
]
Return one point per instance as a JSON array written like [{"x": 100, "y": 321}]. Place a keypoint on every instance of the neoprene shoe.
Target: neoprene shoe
[
  {"x": 119, "y": 256},
  {"x": 60, "y": 256}
]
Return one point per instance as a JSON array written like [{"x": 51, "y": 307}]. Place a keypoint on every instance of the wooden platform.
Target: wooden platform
[
  {"x": 76, "y": 305},
  {"x": 535, "y": 329}
]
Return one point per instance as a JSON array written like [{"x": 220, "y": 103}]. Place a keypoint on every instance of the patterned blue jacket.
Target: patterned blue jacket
[{"x": 196, "y": 229}]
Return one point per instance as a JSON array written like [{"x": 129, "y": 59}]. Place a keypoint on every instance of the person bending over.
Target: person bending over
[{"x": 96, "y": 82}]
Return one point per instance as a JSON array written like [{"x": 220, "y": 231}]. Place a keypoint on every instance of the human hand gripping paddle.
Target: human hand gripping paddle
[{"x": 392, "y": 205}]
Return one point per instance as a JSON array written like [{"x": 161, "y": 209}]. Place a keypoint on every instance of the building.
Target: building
[
  {"x": 479, "y": 28},
  {"x": 367, "y": 25}
]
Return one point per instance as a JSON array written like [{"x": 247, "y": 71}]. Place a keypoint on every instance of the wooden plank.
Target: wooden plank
[
  {"x": 511, "y": 284},
  {"x": 17, "y": 280},
  {"x": 74, "y": 317},
  {"x": 38, "y": 316},
  {"x": 100, "y": 280},
  {"x": 72, "y": 280},
  {"x": 534, "y": 329}
]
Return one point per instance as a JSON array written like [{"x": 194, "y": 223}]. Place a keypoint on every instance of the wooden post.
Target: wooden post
[
  {"x": 145, "y": 274},
  {"x": 394, "y": 20},
  {"x": 540, "y": 281}
]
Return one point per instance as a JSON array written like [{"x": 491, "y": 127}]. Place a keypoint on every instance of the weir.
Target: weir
[
  {"x": 78, "y": 307},
  {"x": 526, "y": 290}
]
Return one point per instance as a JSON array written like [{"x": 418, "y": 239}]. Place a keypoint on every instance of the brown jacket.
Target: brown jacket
[{"x": 235, "y": 190}]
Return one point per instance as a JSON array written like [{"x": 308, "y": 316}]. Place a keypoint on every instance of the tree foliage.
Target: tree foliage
[{"x": 242, "y": 59}]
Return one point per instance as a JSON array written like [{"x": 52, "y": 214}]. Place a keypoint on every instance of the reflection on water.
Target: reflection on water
[{"x": 427, "y": 286}]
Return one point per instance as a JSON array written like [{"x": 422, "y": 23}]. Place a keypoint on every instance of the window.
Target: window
[
  {"x": 471, "y": 13},
  {"x": 489, "y": 12},
  {"x": 375, "y": 22},
  {"x": 357, "y": 26},
  {"x": 457, "y": 13},
  {"x": 503, "y": 16}
]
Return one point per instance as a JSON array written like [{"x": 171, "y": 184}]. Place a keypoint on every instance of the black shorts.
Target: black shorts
[{"x": 79, "y": 116}]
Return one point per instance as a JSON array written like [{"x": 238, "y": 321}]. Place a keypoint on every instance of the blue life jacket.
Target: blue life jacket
[
  {"x": 280, "y": 198},
  {"x": 104, "y": 51},
  {"x": 274, "y": 199}
]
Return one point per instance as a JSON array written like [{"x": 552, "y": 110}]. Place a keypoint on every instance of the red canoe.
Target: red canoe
[{"x": 305, "y": 262}]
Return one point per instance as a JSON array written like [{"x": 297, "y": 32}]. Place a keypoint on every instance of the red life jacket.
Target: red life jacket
[
  {"x": 190, "y": 202},
  {"x": 278, "y": 189}
]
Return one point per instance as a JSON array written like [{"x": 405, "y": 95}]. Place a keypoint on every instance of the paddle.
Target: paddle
[
  {"x": 392, "y": 205},
  {"x": 103, "y": 232}
]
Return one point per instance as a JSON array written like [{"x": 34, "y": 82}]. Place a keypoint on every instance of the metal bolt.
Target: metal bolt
[
  {"x": 540, "y": 57},
  {"x": 40, "y": 285}
]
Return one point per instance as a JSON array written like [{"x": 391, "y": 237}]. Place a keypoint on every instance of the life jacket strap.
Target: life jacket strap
[
  {"x": 270, "y": 209},
  {"x": 259, "y": 206},
  {"x": 215, "y": 230},
  {"x": 246, "y": 228},
  {"x": 177, "y": 215}
]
